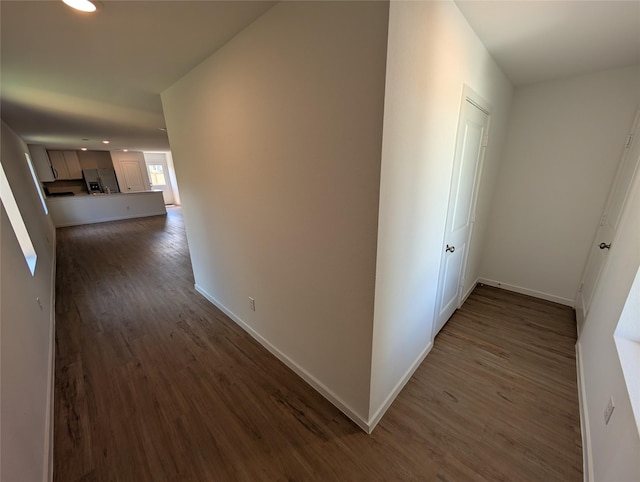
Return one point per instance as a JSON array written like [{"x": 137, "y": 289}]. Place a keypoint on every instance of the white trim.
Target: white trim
[
  {"x": 109, "y": 219},
  {"x": 580, "y": 318},
  {"x": 301, "y": 372},
  {"x": 587, "y": 464},
  {"x": 469, "y": 291},
  {"x": 527, "y": 291},
  {"x": 47, "y": 464},
  {"x": 373, "y": 421},
  {"x": 476, "y": 99}
]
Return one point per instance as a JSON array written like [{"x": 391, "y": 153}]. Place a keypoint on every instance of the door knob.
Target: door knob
[
  {"x": 450, "y": 249},
  {"x": 605, "y": 246}
]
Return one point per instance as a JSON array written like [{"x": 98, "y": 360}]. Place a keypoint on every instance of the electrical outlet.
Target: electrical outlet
[
  {"x": 608, "y": 411},
  {"x": 252, "y": 304}
]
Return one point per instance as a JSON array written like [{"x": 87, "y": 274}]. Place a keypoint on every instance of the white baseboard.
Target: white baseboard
[
  {"x": 301, "y": 372},
  {"x": 469, "y": 291},
  {"x": 373, "y": 421},
  {"x": 587, "y": 465},
  {"x": 527, "y": 291}
]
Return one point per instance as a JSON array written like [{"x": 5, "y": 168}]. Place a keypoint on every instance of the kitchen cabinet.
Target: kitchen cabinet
[
  {"x": 65, "y": 164},
  {"x": 41, "y": 163}
]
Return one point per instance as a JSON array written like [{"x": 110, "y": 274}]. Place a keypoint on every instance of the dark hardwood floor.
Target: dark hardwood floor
[{"x": 153, "y": 383}]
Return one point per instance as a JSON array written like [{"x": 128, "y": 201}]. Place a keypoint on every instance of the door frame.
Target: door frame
[
  {"x": 475, "y": 99},
  {"x": 165, "y": 163}
]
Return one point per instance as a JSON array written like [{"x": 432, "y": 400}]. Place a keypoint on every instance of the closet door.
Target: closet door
[
  {"x": 471, "y": 141},
  {"x": 609, "y": 221}
]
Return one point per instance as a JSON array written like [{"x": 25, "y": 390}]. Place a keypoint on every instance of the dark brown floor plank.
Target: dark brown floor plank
[{"x": 153, "y": 383}]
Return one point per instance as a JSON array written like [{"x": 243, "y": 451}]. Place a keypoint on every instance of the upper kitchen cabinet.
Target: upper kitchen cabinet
[
  {"x": 95, "y": 159},
  {"x": 41, "y": 163},
  {"x": 65, "y": 164}
]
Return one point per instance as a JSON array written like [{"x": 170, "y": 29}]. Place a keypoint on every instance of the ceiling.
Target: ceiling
[
  {"x": 67, "y": 76},
  {"x": 534, "y": 41}
]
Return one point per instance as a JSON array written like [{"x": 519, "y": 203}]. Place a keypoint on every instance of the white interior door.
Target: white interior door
[
  {"x": 159, "y": 175},
  {"x": 608, "y": 222},
  {"x": 470, "y": 146},
  {"x": 133, "y": 177}
]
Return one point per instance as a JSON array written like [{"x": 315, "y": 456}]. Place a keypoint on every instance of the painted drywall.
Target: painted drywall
[
  {"x": 89, "y": 209},
  {"x": 432, "y": 53},
  {"x": 611, "y": 450},
  {"x": 276, "y": 140},
  {"x": 564, "y": 143},
  {"x": 26, "y": 328}
]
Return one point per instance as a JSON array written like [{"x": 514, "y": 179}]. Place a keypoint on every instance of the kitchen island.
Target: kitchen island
[{"x": 99, "y": 208}]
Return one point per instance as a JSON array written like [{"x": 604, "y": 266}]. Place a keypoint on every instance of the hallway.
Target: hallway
[{"x": 154, "y": 383}]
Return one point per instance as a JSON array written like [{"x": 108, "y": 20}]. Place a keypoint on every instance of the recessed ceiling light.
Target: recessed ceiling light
[
  {"x": 82, "y": 5},
  {"x": 125, "y": 150},
  {"x": 163, "y": 129},
  {"x": 105, "y": 142},
  {"x": 83, "y": 148}
]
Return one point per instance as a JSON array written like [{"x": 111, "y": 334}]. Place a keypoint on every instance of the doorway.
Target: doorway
[
  {"x": 471, "y": 141},
  {"x": 159, "y": 175}
]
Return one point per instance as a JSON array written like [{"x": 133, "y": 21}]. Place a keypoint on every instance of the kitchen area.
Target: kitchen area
[{"x": 91, "y": 186}]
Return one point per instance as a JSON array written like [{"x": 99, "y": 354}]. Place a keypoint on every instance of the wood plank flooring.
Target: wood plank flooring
[{"x": 153, "y": 383}]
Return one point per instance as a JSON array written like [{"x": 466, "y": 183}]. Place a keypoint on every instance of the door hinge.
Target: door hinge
[
  {"x": 580, "y": 288},
  {"x": 485, "y": 141},
  {"x": 629, "y": 141}
]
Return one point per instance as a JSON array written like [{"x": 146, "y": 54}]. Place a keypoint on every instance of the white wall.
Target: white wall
[
  {"x": 613, "y": 450},
  {"x": 432, "y": 53},
  {"x": 26, "y": 329},
  {"x": 276, "y": 141},
  {"x": 564, "y": 143}
]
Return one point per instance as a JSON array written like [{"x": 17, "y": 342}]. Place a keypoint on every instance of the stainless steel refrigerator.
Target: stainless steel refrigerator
[{"x": 101, "y": 180}]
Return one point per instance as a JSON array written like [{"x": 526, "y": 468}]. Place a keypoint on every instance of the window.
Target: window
[
  {"x": 627, "y": 339},
  {"x": 37, "y": 183},
  {"x": 15, "y": 218},
  {"x": 156, "y": 172}
]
